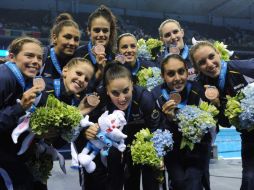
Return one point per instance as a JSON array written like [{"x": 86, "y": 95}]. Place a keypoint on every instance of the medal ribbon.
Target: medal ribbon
[
  {"x": 55, "y": 61},
  {"x": 183, "y": 103},
  {"x": 222, "y": 76}
]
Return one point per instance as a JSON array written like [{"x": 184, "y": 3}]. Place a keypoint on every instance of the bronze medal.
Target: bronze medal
[
  {"x": 211, "y": 93},
  {"x": 176, "y": 97},
  {"x": 39, "y": 82},
  {"x": 120, "y": 58},
  {"x": 99, "y": 49},
  {"x": 93, "y": 100},
  {"x": 174, "y": 50}
]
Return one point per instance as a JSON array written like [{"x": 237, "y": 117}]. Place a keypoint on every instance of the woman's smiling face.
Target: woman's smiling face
[
  {"x": 207, "y": 61},
  {"x": 29, "y": 59},
  {"x": 175, "y": 74},
  {"x": 120, "y": 92}
]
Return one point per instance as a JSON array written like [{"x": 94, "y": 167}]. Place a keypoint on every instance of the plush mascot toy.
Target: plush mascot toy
[{"x": 110, "y": 134}]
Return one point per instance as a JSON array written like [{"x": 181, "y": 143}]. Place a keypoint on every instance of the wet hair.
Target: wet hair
[
  {"x": 115, "y": 70},
  {"x": 195, "y": 47},
  {"x": 172, "y": 56},
  {"x": 106, "y": 13},
  {"x": 168, "y": 21},
  {"x": 76, "y": 60},
  {"x": 16, "y": 45},
  {"x": 62, "y": 20},
  {"x": 124, "y": 35}
]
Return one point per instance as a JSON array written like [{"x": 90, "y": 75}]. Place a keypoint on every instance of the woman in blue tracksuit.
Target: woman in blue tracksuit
[
  {"x": 120, "y": 93},
  {"x": 65, "y": 38},
  {"x": 185, "y": 167},
  {"x": 70, "y": 88},
  {"x": 229, "y": 78},
  {"x": 17, "y": 76},
  {"x": 102, "y": 30},
  {"x": 127, "y": 47},
  {"x": 16, "y": 96}
]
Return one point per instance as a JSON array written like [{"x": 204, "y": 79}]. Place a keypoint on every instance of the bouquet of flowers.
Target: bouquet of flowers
[
  {"x": 195, "y": 122},
  {"x": 221, "y": 48},
  {"x": 149, "y": 148},
  {"x": 55, "y": 115},
  {"x": 224, "y": 52},
  {"x": 149, "y": 77},
  {"x": 240, "y": 109},
  {"x": 149, "y": 49}
]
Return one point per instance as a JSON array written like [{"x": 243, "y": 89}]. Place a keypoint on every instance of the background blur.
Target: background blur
[{"x": 229, "y": 21}]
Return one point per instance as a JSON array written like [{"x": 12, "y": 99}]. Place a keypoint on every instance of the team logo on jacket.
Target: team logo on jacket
[{"x": 155, "y": 114}]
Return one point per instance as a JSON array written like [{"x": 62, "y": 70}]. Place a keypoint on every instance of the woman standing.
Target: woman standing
[
  {"x": 229, "y": 78},
  {"x": 127, "y": 46},
  {"x": 65, "y": 37},
  {"x": 185, "y": 167},
  {"x": 172, "y": 35},
  {"x": 101, "y": 29},
  {"x": 17, "y": 95},
  {"x": 120, "y": 93}
]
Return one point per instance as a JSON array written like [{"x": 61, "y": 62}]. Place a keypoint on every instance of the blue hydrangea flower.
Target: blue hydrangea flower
[
  {"x": 162, "y": 142},
  {"x": 149, "y": 77},
  {"x": 194, "y": 123},
  {"x": 247, "y": 105}
]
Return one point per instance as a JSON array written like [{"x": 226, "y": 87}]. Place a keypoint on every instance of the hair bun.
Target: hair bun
[{"x": 63, "y": 16}]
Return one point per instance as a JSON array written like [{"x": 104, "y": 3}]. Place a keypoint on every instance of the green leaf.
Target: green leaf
[{"x": 55, "y": 114}]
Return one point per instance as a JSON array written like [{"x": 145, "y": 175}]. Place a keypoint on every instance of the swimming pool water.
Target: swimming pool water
[{"x": 228, "y": 143}]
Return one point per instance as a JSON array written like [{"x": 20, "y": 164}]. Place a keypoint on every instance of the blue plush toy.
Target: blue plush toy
[{"x": 109, "y": 134}]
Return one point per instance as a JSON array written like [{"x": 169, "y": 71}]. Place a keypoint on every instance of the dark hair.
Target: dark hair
[
  {"x": 124, "y": 35},
  {"x": 106, "y": 13},
  {"x": 74, "y": 61},
  {"x": 63, "y": 16},
  {"x": 195, "y": 47},
  {"x": 16, "y": 45},
  {"x": 115, "y": 70},
  {"x": 172, "y": 56},
  {"x": 62, "y": 20}
]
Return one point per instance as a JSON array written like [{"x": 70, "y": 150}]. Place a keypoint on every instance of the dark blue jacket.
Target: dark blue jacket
[
  {"x": 234, "y": 82},
  {"x": 237, "y": 70},
  {"x": 48, "y": 69},
  {"x": 10, "y": 110},
  {"x": 63, "y": 96}
]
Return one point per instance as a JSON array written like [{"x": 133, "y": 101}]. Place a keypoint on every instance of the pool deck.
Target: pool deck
[{"x": 225, "y": 175}]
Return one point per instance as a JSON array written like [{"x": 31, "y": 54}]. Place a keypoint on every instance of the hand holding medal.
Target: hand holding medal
[
  {"x": 99, "y": 49},
  {"x": 212, "y": 94},
  {"x": 93, "y": 100},
  {"x": 120, "y": 58},
  {"x": 88, "y": 103},
  {"x": 39, "y": 83},
  {"x": 176, "y": 97}
]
